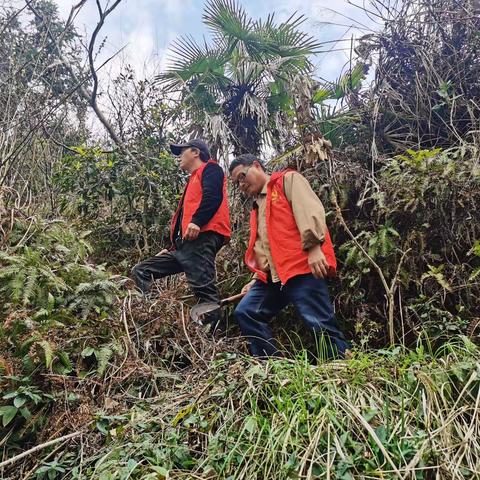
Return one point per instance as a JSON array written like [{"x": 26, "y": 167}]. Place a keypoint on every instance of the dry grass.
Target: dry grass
[{"x": 391, "y": 414}]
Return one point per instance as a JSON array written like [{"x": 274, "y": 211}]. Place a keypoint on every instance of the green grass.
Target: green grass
[{"x": 387, "y": 414}]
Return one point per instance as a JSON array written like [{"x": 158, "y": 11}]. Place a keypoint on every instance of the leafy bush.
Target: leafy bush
[
  {"x": 127, "y": 201},
  {"x": 420, "y": 208},
  {"x": 51, "y": 298},
  {"x": 48, "y": 290},
  {"x": 48, "y": 271}
]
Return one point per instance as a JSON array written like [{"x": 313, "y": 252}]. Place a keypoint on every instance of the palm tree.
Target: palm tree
[{"x": 239, "y": 89}]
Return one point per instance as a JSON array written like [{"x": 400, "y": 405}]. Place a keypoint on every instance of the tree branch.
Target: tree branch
[{"x": 90, "y": 97}]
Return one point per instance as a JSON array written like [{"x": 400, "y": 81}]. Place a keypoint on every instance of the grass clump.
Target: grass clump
[{"x": 389, "y": 414}]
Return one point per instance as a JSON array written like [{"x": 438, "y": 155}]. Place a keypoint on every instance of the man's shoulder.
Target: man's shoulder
[
  {"x": 292, "y": 177},
  {"x": 292, "y": 174},
  {"x": 213, "y": 170},
  {"x": 213, "y": 167}
]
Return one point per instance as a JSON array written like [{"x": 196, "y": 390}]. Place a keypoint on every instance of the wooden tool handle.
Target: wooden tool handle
[{"x": 231, "y": 299}]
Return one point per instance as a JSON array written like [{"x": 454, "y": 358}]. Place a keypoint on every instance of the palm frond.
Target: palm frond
[
  {"x": 227, "y": 18},
  {"x": 193, "y": 65},
  {"x": 287, "y": 40},
  {"x": 233, "y": 29}
]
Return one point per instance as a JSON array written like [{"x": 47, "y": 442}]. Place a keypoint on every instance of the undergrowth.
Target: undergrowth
[{"x": 389, "y": 414}]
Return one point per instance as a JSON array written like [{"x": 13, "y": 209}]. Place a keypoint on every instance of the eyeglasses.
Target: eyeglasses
[{"x": 241, "y": 177}]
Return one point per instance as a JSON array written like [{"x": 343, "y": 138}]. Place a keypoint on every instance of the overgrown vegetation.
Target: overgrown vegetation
[
  {"x": 393, "y": 414},
  {"x": 127, "y": 387}
]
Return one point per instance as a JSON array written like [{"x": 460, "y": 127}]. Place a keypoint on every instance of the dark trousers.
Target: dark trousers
[
  {"x": 311, "y": 299},
  {"x": 194, "y": 257}
]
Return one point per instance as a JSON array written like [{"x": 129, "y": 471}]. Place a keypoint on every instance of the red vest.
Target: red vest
[
  {"x": 192, "y": 196},
  {"x": 284, "y": 237}
]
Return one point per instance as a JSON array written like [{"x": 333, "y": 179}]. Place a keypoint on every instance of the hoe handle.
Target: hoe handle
[{"x": 231, "y": 299}]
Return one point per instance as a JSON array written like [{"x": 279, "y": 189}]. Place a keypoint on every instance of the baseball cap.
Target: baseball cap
[{"x": 176, "y": 148}]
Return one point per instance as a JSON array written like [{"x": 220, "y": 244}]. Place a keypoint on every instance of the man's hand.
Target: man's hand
[
  {"x": 317, "y": 262},
  {"x": 192, "y": 232},
  {"x": 248, "y": 286},
  {"x": 162, "y": 252}
]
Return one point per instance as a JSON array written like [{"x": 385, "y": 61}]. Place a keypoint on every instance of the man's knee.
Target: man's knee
[
  {"x": 242, "y": 311},
  {"x": 136, "y": 271},
  {"x": 245, "y": 315}
]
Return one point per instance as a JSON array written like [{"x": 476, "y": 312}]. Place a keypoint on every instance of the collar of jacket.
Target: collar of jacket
[{"x": 263, "y": 192}]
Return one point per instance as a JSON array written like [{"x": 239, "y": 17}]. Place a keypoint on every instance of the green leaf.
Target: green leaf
[
  {"x": 25, "y": 412},
  {"x": 87, "y": 352},
  {"x": 51, "y": 301},
  {"x": 19, "y": 401},
  {"x": 103, "y": 357},
  {"x": 322, "y": 94},
  {"x": 474, "y": 274},
  {"x": 370, "y": 414},
  {"x": 10, "y": 395},
  {"x": 102, "y": 426},
  {"x": 48, "y": 352},
  {"x": 8, "y": 414},
  {"x": 256, "y": 370},
  {"x": 251, "y": 424},
  {"x": 64, "y": 366},
  {"x": 163, "y": 472},
  {"x": 436, "y": 273}
]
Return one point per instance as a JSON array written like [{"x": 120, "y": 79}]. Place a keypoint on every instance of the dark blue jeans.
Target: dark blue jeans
[{"x": 310, "y": 298}]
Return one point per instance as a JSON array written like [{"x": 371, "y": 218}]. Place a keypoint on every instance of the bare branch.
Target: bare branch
[
  {"x": 103, "y": 15},
  {"x": 73, "y": 13},
  {"x": 89, "y": 97}
]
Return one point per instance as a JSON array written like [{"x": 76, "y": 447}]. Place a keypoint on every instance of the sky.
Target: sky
[{"x": 145, "y": 29}]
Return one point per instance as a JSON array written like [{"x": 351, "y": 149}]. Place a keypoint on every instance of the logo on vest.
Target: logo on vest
[{"x": 275, "y": 196}]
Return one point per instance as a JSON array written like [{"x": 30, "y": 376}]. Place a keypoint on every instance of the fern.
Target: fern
[
  {"x": 382, "y": 243},
  {"x": 64, "y": 365},
  {"x": 29, "y": 277},
  {"x": 93, "y": 296},
  {"x": 437, "y": 274},
  {"x": 103, "y": 357},
  {"x": 5, "y": 257},
  {"x": 30, "y": 285},
  {"x": 475, "y": 250},
  {"x": 48, "y": 354},
  {"x": 9, "y": 270},
  {"x": 16, "y": 286},
  {"x": 474, "y": 275},
  {"x": 352, "y": 255}
]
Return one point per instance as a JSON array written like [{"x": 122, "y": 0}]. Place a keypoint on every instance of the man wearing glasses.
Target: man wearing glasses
[
  {"x": 199, "y": 227},
  {"x": 291, "y": 255}
]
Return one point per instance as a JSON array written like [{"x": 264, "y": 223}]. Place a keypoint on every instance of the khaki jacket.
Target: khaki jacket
[{"x": 309, "y": 216}]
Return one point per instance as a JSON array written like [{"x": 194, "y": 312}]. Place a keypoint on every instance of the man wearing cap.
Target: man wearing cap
[
  {"x": 291, "y": 255},
  {"x": 199, "y": 227}
]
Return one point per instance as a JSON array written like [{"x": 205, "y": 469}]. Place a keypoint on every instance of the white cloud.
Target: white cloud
[
  {"x": 142, "y": 28},
  {"x": 329, "y": 22},
  {"x": 146, "y": 28}
]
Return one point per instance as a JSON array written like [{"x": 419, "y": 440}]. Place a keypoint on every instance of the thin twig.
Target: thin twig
[{"x": 39, "y": 447}]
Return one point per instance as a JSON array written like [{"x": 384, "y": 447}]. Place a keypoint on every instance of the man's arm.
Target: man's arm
[
  {"x": 212, "y": 197},
  {"x": 310, "y": 219},
  {"x": 212, "y": 194},
  {"x": 307, "y": 209}
]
